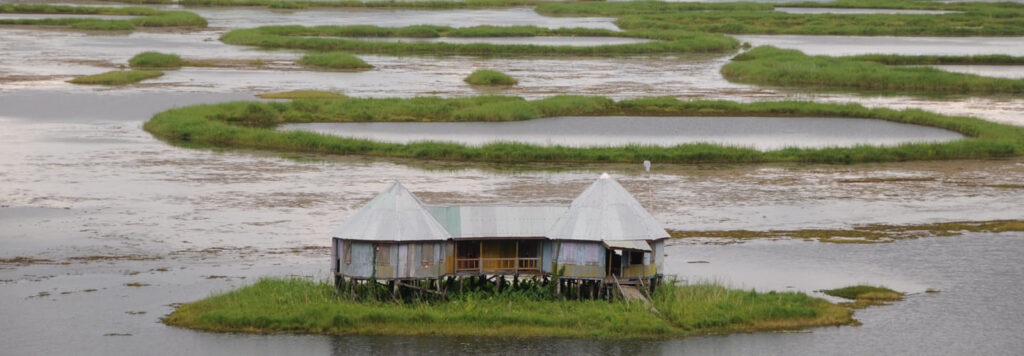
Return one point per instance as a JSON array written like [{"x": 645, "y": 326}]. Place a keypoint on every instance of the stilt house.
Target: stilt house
[{"x": 604, "y": 232}]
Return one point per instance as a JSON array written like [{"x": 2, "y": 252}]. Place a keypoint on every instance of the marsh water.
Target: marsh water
[
  {"x": 90, "y": 204},
  {"x": 580, "y": 41},
  {"x": 761, "y": 133}
]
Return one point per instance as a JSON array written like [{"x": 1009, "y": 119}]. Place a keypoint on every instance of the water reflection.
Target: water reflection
[{"x": 762, "y": 133}]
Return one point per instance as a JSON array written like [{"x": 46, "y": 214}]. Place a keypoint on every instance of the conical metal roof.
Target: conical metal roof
[
  {"x": 394, "y": 215},
  {"x": 606, "y": 212}
]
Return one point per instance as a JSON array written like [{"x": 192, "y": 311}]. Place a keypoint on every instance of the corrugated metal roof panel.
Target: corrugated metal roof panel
[
  {"x": 628, "y": 245},
  {"x": 605, "y": 211},
  {"x": 491, "y": 221},
  {"x": 394, "y": 215}
]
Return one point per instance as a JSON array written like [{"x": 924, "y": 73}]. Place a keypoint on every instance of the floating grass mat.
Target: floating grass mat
[
  {"x": 490, "y": 77},
  {"x": 117, "y": 77},
  {"x": 147, "y": 17},
  {"x": 302, "y": 306},
  {"x": 334, "y": 61},
  {"x": 327, "y": 38},
  {"x": 864, "y": 295},
  {"x": 869, "y": 234},
  {"x": 156, "y": 60},
  {"x": 969, "y": 19},
  {"x": 251, "y": 125},
  {"x": 772, "y": 66}
]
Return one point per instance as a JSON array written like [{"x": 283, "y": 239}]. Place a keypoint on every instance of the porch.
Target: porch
[{"x": 498, "y": 256}]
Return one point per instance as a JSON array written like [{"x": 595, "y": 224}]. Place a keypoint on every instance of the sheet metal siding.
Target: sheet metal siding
[
  {"x": 659, "y": 254},
  {"x": 546, "y": 256},
  {"x": 362, "y": 260},
  {"x": 335, "y": 263}
]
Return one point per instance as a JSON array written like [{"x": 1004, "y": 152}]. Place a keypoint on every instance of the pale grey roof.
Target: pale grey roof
[
  {"x": 394, "y": 215},
  {"x": 488, "y": 221},
  {"x": 605, "y": 211},
  {"x": 628, "y": 245}
]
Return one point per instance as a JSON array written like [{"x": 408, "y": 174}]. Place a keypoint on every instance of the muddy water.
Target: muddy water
[
  {"x": 581, "y": 41},
  {"x": 88, "y": 182},
  {"x": 100, "y": 204},
  {"x": 762, "y": 133},
  {"x": 854, "y": 45},
  {"x": 242, "y": 18}
]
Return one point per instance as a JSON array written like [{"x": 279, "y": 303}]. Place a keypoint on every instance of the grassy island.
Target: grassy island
[
  {"x": 295, "y": 305},
  {"x": 250, "y": 125},
  {"x": 490, "y": 77},
  {"x": 772, "y": 66},
  {"x": 335, "y": 61},
  {"x": 156, "y": 60},
  {"x": 864, "y": 296},
  {"x": 117, "y": 77},
  {"x": 334, "y": 38},
  {"x": 134, "y": 17}
]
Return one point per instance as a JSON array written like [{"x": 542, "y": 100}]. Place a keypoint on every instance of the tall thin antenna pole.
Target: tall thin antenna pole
[{"x": 650, "y": 189}]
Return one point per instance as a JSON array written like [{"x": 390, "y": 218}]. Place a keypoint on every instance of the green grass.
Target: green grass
[
  {"x": 146, "y": 17},
  {"x": 294, "y": 305},
  {"x": 893, "y": 59},
  {"x": 156, "y": 60},
  {"x": 117, "y": 77},
  {"x": 326, "y": 38},
  {"x": 870, "y": 233},
  {"x": 974, "y": 19},
  {"x": 772, "y": 66},
  {"x": 490, "y": 77},
  {"x": 334, "y": 61},
  {"x": 250, "y": 125},
  {"x": 302, "y": 94},
  {"x": 864, "y": 295}
]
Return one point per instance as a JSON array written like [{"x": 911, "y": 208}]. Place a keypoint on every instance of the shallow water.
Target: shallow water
[
  {"x": 844, "y": 11},
  {"x": 79, "y": 178},
  {"x": 4, "y": 16},
  {"x": 524, "y": 16},
  {"x": 762, "y": 133},
  {"x": 854, "y": 45},
  {"x": 997, "y": 71},
  {"x": 581, "y": 41}
]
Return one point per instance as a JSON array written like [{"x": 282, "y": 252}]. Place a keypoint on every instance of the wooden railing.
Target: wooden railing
[{"x": 497, "y": 264}]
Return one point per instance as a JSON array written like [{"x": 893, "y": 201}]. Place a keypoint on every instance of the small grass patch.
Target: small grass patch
[
  {"x": 295, "y": 305},
  {"x": 117, "y": 77},
  {"x": 490, "y": 77},
  {"x": 134, "y": 17},
  {"x": 302, "y": 94},
  {"x": 334, "y": 61},
  {"x": 156, "y": 60},
  {"x": 772, "y": 66},
  {"x": 864, "y": 296}
]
